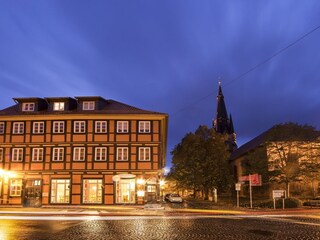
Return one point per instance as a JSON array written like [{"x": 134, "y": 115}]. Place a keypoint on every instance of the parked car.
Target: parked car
[{"x": 175, "y": 198}]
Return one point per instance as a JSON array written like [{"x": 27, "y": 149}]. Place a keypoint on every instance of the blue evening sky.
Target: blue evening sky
[{"x": 167, "y": 56}]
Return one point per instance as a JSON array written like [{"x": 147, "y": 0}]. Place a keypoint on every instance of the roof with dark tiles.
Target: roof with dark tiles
[
  {"x": 252, "y": 144},
  {"x": 108, "y": 107}
]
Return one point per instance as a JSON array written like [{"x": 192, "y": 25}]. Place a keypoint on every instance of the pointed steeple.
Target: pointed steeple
[
  {"x": 221, "y": 121},
  {"x": 231, "y": 128}
]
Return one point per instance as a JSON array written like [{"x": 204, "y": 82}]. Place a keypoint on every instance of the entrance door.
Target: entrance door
[
  {"x": 125, "y": 191},
  {"x": 32, "y": 193},
  {"x": 151, "y": 193}
]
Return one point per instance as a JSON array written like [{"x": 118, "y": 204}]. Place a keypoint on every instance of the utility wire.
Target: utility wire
[{"x": 253, "y": 68}]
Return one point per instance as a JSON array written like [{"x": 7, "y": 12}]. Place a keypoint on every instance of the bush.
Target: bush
[{"x": 288, "y": 203}]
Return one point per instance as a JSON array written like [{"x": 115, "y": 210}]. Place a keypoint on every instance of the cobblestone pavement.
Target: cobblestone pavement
[{"x": 172, "y": 228}]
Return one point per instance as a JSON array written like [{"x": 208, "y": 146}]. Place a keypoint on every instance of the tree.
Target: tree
[
  {"x": 256, "y": 162},
  {"x": 310, "y": 166},
  {"x": 200, "y": 162},
  {"x": 283, "y": 152}
]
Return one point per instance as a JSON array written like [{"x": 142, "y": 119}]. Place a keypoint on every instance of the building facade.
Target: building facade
[
  {"x": 266, "y": 157},
  {"x": 82, "y": 150}
]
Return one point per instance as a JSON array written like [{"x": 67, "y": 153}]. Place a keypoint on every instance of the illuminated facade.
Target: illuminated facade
[
  {"x": 82, "y": 150},
  {"x": 273, "y": 155}
]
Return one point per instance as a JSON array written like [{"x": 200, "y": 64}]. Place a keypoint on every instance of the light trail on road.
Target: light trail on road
[{"x": 119, "y": 218}]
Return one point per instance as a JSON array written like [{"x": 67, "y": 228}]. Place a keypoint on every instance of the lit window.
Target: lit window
[
  {"x": 100, "y": 153},
  {"x": 144, "y": 127},
  {"x": 18, "y": 128},
  {"x": 60, "y": 191},
  {"x": 101, "y": 127},
  {"x": 37, "y": 154},
  {"x": 58, "y": 127},
  {"x": 122, "y": 126},
  {"x": 144, "y": 154},
  {"x": 58, "y": 154},
  {"x": 125, "y": 191},
  {"x": 79, "y": 127},
  {"x": 15, "y": 187},
  {"x": 151, "y": 188},
  {"x": 2, "y": 128},
  {"x": 88, "y": 105},
  {"x": 17, "y": 154},
  {"x": 122, "y": 154},
  {"x": 78, "y": 154},
  {"x": 1, "y": 154},
  {"x": 92, "y": 191},
  {"x": 58, "y": 106},
  {"x": 38, "y": 127},
  {"x": 28, "y": 107}
]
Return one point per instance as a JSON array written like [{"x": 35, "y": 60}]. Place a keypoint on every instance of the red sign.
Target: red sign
[{"x": 254, "y": 178}]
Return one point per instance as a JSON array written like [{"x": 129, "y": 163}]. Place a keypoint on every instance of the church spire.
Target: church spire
[
  {"x": 231, "y": 128},
  {"x": 221, "y": 121}
]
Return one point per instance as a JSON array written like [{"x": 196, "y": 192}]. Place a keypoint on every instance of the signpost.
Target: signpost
[
  {"x": 278, "y": 194},
  {"x": 254, "y": 180},
  {"x": 238, "y": 188}
]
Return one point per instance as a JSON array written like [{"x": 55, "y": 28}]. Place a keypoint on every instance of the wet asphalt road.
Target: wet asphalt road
[{"x": 171, "y": 228}]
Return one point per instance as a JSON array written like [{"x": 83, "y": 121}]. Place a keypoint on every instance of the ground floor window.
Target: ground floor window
[
  {"x": 60, "y": 190},
  {"x": 92, "y": 191},
  {"x": 125, "y": 191},
  {"x": 15, "y": 187}
]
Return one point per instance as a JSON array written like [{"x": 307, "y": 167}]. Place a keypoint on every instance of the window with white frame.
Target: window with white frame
[
  {"x": 88, "y": 105},
  {"x": 79, "y": 127},
  {"x": 58, "y": 154},
  {"x": 60, "y": 191},
  {"x": 100, "y": 154},
  {"x": 1, "y": 154},
  {"x": 17, "y": 154},
  {"x": 122, "y": 126},
  {"x": 28, "y": 107},
  {"x": 38, "y": 127},
  {"x": 58, "y": 106},
  {"x": 58, "y": 127},
  {"x": 15, "y": 187},
  {"x": 92, "y": 191},
  {"x": 37, "y": 154},
  {"x": 18, "y": 128},
  {"x": 144, "y": 127},
  {"x": 144, "y": 154},
  {"x": 79, "y": 153},
  {"x": 122, "y": 154},
  {"x": 2, "y": 127},
  {"x": 101, "y": 126}
]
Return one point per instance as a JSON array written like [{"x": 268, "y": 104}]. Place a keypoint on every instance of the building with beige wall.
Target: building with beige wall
[
  {"x": 82, "y": 150},
  {"x": 272, "y": 156}
]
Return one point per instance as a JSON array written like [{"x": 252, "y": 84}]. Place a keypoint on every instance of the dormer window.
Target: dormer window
[
  {"x": 88, "y": 105},
  {"x": 28, "y": 107},
  {"x": 58, "y": 106}
]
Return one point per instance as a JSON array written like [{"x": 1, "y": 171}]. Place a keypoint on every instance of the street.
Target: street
[{"x": 160, "y": 227}]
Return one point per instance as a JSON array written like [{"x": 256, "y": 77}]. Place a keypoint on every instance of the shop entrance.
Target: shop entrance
[
  {"x": 32, "y": 193},
  {"x": 151, "y": 193}
]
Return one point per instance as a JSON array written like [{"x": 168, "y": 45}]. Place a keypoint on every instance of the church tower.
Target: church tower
[{"x": 222, "y": 123}]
